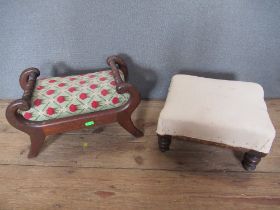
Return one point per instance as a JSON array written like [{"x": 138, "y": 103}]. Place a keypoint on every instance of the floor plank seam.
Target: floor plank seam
[{"x": 145, "y": 169}]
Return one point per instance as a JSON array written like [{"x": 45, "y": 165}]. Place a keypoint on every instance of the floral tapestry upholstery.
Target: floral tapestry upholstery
[{"x": 59, "y": 97}]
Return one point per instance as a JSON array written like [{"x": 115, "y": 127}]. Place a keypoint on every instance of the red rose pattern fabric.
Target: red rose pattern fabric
[{"x": 60, "y": 97}]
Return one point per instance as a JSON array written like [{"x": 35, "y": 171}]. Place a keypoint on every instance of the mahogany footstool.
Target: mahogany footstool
[
  {"x": 221, "y": 112},
  {"x": 58, "y": 104}
]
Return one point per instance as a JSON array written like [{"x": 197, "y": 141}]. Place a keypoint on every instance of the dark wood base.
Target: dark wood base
[
  {"x": 128, "y": 125},
  {"x": 251, "y": 160},
  {"x": 164, "y": 142},
  {"x": 37, "y": 141},
  {"x": 38, "y": 130}
]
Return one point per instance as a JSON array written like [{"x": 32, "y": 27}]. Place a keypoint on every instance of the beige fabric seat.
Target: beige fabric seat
[{"x": 227, "y": 112}]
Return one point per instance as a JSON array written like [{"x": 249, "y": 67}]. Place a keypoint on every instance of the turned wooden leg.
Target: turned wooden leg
[
  {"x": 128, "y": 125},
  {"x": 37, "y": 141},
  {"x": 251, "y": 159},
  {"x": 164, "y": 142}
]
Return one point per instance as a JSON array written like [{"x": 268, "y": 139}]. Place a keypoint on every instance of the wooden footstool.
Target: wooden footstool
[
  {"x": 227, "y": 113},
  {"x": 58, "y": 104}
]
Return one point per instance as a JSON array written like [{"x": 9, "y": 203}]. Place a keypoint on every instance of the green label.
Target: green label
[{"x": 89, "y": 123}]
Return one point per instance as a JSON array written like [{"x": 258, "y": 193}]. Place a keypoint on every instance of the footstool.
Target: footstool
[
  {"x": 58, "y": 104},
  {"x": 221, "y": 112}
]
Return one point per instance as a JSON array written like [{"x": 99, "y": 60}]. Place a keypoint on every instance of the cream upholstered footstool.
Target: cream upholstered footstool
[{"x": 227, "y": 113}]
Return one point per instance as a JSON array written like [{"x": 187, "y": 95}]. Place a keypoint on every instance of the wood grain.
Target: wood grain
[
  {"x": 106, "y": 168},
  {"x": 86, "y": 188}
]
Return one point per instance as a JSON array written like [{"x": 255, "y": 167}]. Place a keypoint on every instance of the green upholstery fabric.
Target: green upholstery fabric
[{"x": 59, "y": 97}]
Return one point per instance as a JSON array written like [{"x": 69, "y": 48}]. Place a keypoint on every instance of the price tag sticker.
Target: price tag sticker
[{"x": 89, "y": 123}]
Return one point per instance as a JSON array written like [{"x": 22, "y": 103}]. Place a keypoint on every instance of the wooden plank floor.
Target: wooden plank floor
[{"x": 106, "y": 168}]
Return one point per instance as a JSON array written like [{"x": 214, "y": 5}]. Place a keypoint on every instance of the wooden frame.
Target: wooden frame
[
  {"x": 38, "y": 130},
  {"x": 250, "y": 160}
]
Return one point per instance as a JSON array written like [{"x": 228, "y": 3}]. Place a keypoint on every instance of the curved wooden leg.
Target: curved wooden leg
[
  {"x": 128, "y": 125},
  {"x": 37, "y": 141},
  {"x": 251, "y": 159},
  {"x": 164, "y": 142}
]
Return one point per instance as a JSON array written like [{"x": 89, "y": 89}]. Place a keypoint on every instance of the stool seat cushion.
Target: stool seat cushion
[
  {"x": 231, "y": 113},
  {"x": 59, "y": 97}
]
